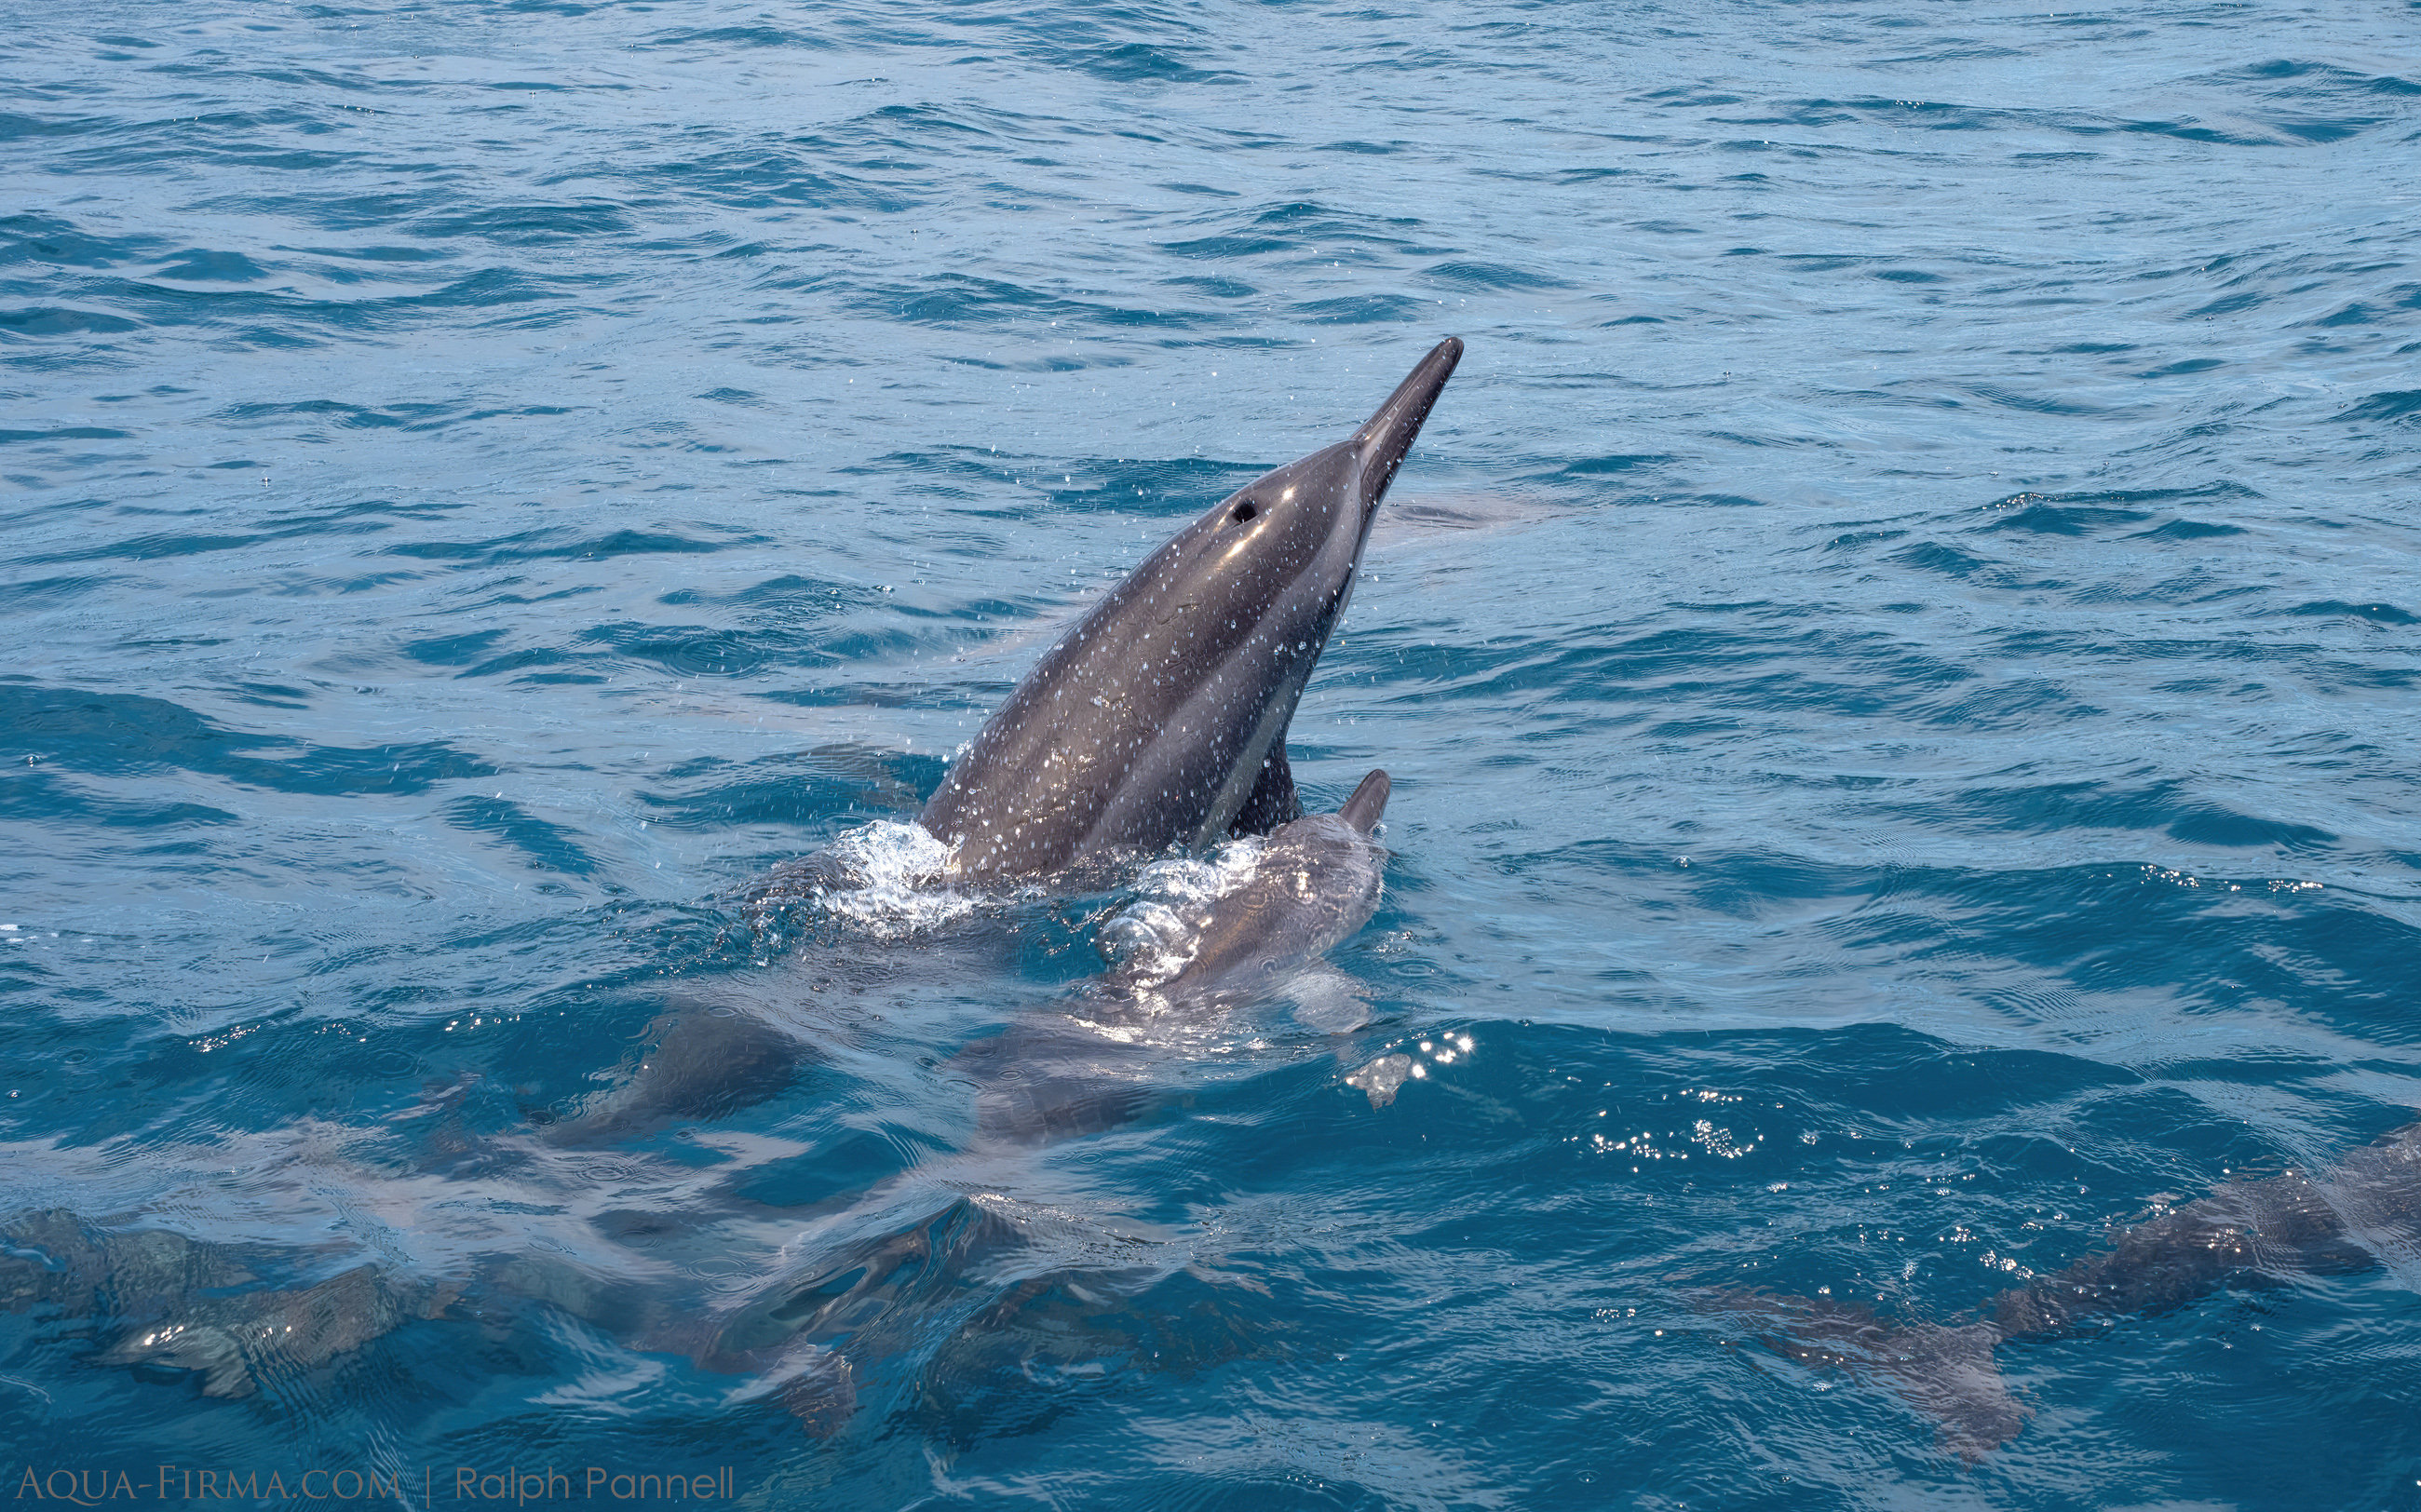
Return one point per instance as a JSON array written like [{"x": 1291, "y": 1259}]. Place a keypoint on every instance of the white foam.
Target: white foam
[
  {"x": 1153, "y": 938},
  {"x": 1183, "y": 879},
  {"x": 1150, "y": 939},
  {"x": 898, "y": 870}
]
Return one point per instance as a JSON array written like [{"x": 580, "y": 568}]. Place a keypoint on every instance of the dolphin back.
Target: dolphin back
[{"x": 1314, "y": 883}]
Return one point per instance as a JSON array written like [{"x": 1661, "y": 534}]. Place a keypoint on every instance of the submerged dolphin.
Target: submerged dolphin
[
  {"x": 1161, "y": 719},
  {"x": 1313, "y": 882},
  {"x": 157, "y": 1299},
  {"x": 2363, "y": 1213}
]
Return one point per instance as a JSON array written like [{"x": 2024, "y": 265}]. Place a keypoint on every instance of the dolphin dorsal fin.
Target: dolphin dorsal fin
[{"x": 1368, "y": 801}]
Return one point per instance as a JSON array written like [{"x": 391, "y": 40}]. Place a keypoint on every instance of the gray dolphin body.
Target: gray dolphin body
[
  {"x": 1314, "y": 882},
  {"x": 2363, "y": 1212},
  {"x": 1161, "y": 719},
  {"x": 157, "y": 1297}
]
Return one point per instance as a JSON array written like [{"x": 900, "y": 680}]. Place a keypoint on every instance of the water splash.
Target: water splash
[{"x": 898, "y": 869}]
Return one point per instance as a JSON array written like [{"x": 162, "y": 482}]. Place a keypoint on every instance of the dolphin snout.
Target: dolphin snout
[{"x": 1380, "y": 444}]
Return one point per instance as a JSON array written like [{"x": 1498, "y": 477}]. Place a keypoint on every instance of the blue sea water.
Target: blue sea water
[{"x": 1897, "y": 653}]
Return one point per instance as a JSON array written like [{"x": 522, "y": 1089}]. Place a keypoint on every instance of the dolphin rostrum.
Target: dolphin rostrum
[{"x": 1161, "y": 719}]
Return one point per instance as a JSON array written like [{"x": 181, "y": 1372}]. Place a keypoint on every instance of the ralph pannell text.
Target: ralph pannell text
[{"x": 463, "y": 1483}]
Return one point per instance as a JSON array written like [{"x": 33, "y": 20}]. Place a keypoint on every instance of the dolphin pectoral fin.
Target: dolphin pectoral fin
[
  {"x": 1368, "y": 803},
  {"x": 1273, "y": 800},
  {"x": 709, "y": 1060}
]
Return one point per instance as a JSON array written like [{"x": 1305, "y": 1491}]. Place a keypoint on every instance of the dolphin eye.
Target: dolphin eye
[{"x": 1244, "y": 511}]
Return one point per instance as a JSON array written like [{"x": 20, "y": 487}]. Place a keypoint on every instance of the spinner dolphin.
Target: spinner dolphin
[{"x": 1161, "y": 717}]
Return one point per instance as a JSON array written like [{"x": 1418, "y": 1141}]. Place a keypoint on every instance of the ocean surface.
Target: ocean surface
[{"x": 1897, "y": 653}]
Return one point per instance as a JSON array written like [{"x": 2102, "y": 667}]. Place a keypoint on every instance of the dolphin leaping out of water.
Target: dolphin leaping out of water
[{"x": 1161, "y": 719}]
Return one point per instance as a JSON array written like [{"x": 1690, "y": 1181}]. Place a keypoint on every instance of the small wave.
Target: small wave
[
  {"x": 55, "y": 320},
  {"x": 1490, "y": 276},
  {"x": 2395, "y": 404}
]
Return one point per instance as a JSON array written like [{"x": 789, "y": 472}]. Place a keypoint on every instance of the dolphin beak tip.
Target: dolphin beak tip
[{"x": 1389, "y": 433}]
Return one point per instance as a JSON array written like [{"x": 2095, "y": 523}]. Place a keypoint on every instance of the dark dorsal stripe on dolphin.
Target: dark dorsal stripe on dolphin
[{"x": 1161, "y": 719}]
